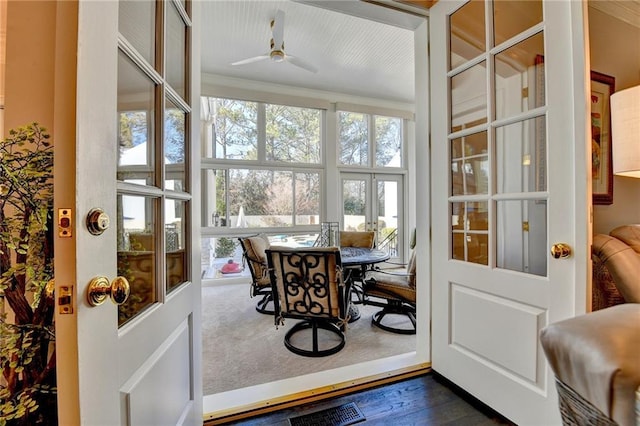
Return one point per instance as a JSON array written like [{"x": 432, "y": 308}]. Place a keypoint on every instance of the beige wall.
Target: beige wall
[
  {"x": 615, "y": 51},
  {"x": 30, "y": 62}
]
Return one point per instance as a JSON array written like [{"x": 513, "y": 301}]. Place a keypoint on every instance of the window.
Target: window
[
  {"x": 365, "y": 138},
  {"x": 258, "y": 132},
  {"x": 260, "y": 198},
  {"x": 262, "y": 166}
]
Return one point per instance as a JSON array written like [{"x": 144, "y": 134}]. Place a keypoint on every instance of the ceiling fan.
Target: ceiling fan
[{"x": 277, "y": 48}]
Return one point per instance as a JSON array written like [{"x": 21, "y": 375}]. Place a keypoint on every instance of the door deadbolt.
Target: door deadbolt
[{"x": 97, "y": 221}]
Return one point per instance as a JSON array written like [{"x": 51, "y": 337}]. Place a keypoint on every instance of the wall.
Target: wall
[
  {"x": 30, "y": 53},
  {"x": 615, "y": 51}
]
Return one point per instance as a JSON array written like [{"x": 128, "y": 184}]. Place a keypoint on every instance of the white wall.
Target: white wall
[{"x": 615, "y": 51}]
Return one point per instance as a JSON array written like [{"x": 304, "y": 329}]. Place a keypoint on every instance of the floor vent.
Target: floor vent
[{"x": 343, "y": 415}]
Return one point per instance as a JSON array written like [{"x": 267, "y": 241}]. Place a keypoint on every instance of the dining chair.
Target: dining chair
[
  {"x": 363, "y": 239},
  {"x": 308, "y": 286},
  {"x": 254, "y": 254},
  {"x": 398, "y": 292}
]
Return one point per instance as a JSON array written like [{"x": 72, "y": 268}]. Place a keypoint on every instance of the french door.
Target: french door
[
  {"x": 374, "y": 202},
  {"x": 509, "y": 183},
  {"x": 130, "y": 179}
]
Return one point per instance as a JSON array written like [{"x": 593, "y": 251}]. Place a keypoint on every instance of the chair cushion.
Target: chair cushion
[
  {"x": 385, "y": 284},
  {"x": 598, "y": 356},
  {"x": 256, "y": 253},
  {"x": 364, "y": 239}
]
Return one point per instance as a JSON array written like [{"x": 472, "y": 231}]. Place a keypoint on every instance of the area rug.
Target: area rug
[{"x": 242, "y": 347}]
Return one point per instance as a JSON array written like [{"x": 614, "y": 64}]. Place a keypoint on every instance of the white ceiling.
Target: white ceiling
[
  {"x": 353, "y": 55},
  {"x": 371, "y": 57}
]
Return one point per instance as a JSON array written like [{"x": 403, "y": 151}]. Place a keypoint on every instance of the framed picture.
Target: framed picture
[{"x": 602, "y": 87}]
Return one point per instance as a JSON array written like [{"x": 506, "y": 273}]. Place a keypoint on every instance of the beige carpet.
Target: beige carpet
[{"x": 242, "y": 347}]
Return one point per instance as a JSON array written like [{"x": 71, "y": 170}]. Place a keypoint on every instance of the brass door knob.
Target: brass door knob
[
  {"x": 561, "y": 250},
  {"x": 100, "y": 288}
]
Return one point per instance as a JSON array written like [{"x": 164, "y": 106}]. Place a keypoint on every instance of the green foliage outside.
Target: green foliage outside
[
  {"x": 27, "y": 353},
  {"x": 225, "y": 247}
]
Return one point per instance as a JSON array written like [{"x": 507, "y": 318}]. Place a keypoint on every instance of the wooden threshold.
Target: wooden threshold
[{"x": 313, "y": 395}]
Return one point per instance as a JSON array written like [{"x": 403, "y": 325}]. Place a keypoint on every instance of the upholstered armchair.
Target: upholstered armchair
[
  {"x": 398, "y": 290},
  {"x": 596, "y": 357},
  {"x": 616, "y": 267},
  {"x": 254, "y": 254},
  {"x": 308, "y": 286}
]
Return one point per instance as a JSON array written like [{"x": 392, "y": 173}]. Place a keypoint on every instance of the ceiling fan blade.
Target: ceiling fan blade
[
  {"x": 278, "y": 30},
  {"x": 300, "y": 63},
  {"x": 251, "y": 60}
]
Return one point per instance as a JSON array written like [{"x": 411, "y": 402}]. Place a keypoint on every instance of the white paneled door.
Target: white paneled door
[
  {"x": 137, "y": 98},
  {"x": 509, "y": 184}
]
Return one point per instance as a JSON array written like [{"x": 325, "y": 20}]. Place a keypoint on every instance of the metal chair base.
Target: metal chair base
[
  {"x": 396, "y": 307},
  {"x": 262, "y": 305},
  {"x": 314, "y": 326}
]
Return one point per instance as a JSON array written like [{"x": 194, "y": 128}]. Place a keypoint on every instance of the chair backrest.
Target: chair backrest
[
  {"x": 308, "y": 282},
  {"x": 254, "y": 253},
  {"x": 365, "y": 239},
  {"x": 411, "y": 270}
]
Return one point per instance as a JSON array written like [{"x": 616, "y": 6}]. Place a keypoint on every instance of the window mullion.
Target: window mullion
[{"x": 262, "y": 132}]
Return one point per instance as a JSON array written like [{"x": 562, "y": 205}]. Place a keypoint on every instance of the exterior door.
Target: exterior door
[
  {"x": 136, "y": 112},
  {"x": 509, "y": 181},
  {"x": 374, "y": 202}
]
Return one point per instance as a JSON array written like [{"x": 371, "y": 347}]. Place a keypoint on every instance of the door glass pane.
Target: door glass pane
[
  {"x": 519, "y": 79},
  {"x": 469, "y": 232},
  {"x": 388, "y": 141},
  {"x": 136, "y": 252},
  {"x": 513, "y": 17},
  {"x": 354, "y": 200},
  {"x": 174, "y": 146},
  {"x": 175, "y": 60},
  {"x": 214, "y": 197},
  {"x": 521, "y": 236},
  {"x": 175, "y": 232},
  {"x": 293, "y": 134},
  {"x": 135, "y": 115},
  {"x": 469, "y": 97},
  {"x": 235, "y": 130},
  {"x": 467, "y": 33},
  {"x": 387, "y": 220},
  {"x": 307, "y": 198},
  {"x": 136, "y": 22},
  {"x": 353, "y": 134},
  {"x": 470, "y": 165},
  {"x": 521, "y": 156}
]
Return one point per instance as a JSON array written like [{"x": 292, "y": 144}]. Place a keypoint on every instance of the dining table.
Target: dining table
[{"x": 355, "y": 262}]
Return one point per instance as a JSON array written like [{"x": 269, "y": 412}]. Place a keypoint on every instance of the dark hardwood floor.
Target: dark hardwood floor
[{"x": 424, "y": 400}]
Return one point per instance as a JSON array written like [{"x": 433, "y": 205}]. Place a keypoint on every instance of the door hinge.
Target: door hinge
[{"x": 525, "y": 226}]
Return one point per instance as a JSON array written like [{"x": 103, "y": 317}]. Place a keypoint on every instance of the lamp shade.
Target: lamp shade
[{"x": 625, "y": 131}]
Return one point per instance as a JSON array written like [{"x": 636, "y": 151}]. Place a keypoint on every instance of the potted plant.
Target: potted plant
[{"x": 27, "y": 351}]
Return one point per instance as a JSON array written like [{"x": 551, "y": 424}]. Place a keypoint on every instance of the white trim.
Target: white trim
[{"x": 236, "y": 88}]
